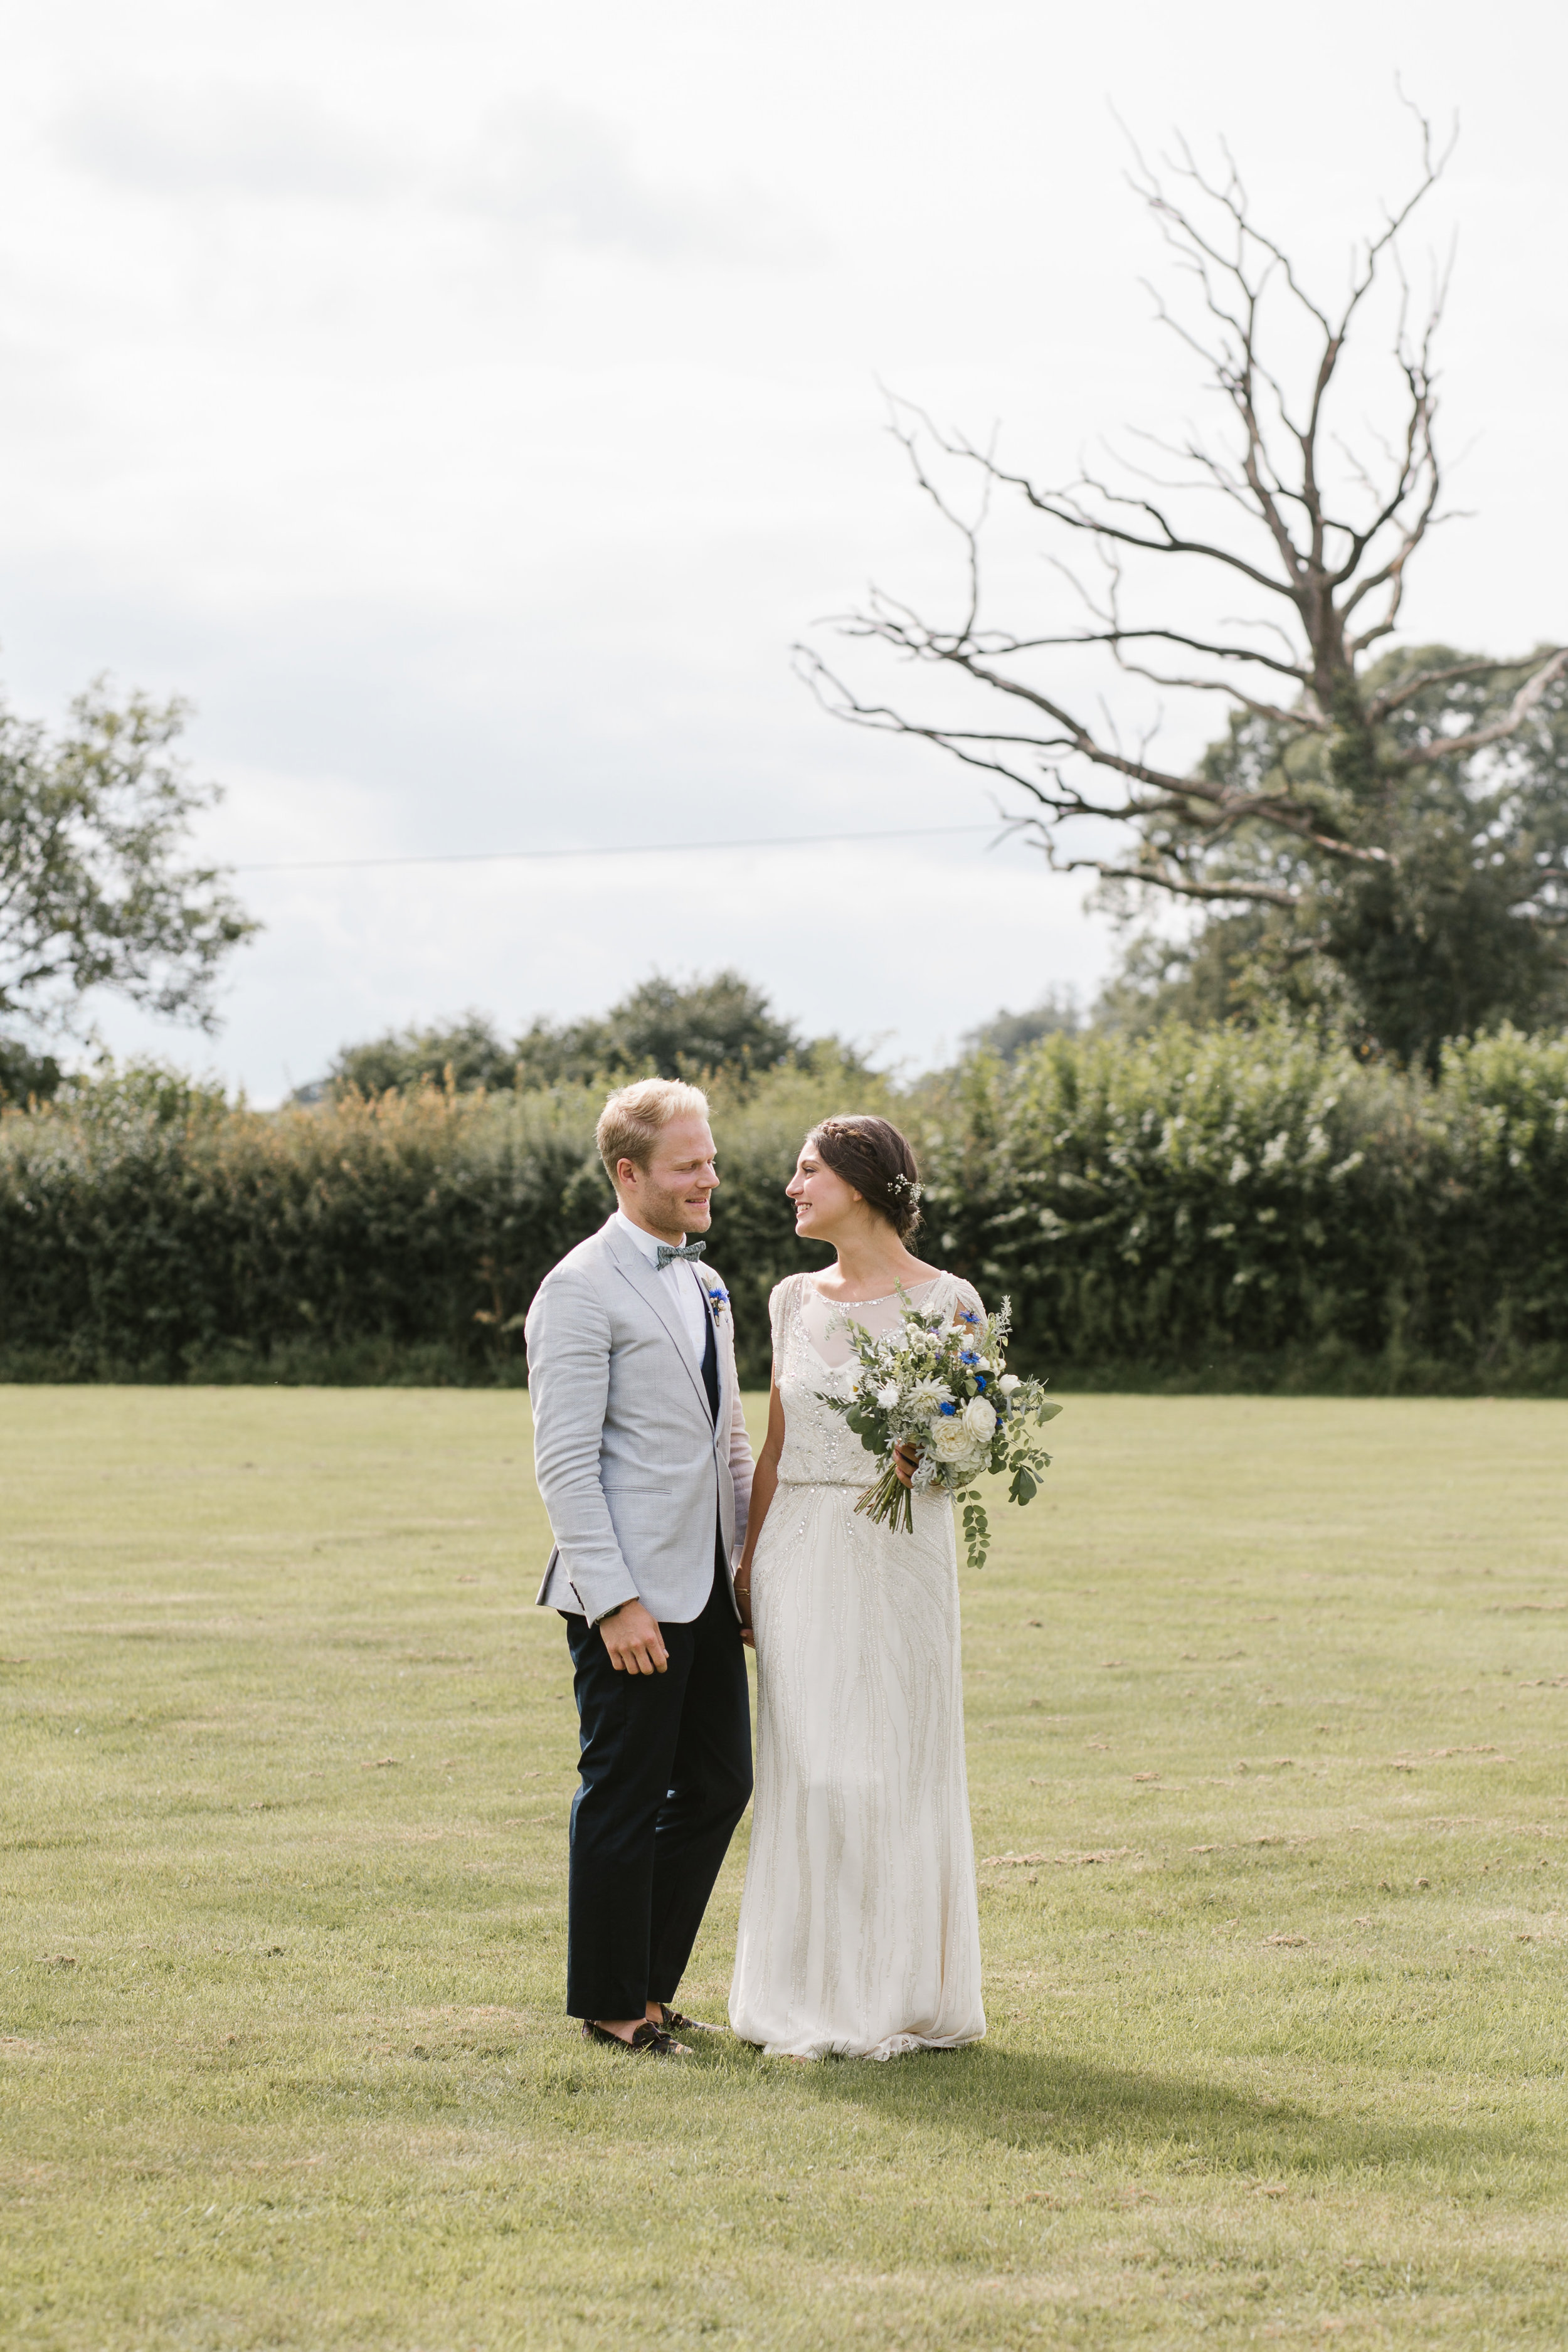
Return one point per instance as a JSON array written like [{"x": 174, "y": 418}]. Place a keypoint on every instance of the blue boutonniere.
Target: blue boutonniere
[{"x": 718, "y": 1298}]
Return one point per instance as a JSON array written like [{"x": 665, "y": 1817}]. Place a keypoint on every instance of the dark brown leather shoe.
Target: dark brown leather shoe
[
  {"x": 649, "y": 2041},
  {"x": 676, "y": 2023}
]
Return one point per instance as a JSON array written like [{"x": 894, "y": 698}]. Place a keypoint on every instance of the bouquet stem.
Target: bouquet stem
[{"x": 888, "y": 1502}]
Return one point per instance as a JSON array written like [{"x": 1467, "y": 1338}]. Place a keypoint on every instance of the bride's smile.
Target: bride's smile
[
  {"x": 822, "y": 1201},
  {"x": 872, "y": 1258}
]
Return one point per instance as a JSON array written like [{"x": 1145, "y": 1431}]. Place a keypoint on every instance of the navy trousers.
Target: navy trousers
[{"x": 666, "y": 1770}]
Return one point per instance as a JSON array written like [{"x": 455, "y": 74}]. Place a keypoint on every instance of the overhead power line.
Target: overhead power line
[{"x": 889, "y": 833}]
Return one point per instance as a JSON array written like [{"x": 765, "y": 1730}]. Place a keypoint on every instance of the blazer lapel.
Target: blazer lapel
[{"x": 630, "y": 1262}]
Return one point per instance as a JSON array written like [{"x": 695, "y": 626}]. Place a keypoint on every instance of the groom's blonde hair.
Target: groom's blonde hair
[{"x": 630, "y": 1122}]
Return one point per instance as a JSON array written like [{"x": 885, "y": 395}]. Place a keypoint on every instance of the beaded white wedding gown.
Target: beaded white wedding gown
[{"x": 859, "y": 1931}]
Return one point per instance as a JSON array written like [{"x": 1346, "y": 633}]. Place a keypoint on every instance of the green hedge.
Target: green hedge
[
  {"x": 150, "y": 1234},
  {"x": 1261, "y": 1209},
  {"x": 1198, "y": 1209}
]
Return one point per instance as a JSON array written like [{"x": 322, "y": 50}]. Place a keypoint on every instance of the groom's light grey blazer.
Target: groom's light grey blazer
[{"x": 634, "y": 1476}]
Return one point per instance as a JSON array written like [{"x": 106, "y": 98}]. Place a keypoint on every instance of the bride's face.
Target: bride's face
[{"x": 824, "y": 1204}]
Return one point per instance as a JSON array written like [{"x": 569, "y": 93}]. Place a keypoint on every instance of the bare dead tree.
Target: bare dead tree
[{"x": 1319, "y": 536}]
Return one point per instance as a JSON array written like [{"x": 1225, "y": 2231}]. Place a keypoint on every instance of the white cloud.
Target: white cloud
[
  {"x": 570, "y": 176},
  {"x": 205, "y": 140}
]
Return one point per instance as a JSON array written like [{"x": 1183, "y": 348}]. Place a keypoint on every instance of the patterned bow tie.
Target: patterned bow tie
[{"x": 667, "y": 1251}]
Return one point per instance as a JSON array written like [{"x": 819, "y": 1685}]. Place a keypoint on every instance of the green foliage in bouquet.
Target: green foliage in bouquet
[{"x": 941, "y": 1385}]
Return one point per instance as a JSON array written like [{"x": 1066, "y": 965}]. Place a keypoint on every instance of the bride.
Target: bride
[{"x": 859, "y": 1932}]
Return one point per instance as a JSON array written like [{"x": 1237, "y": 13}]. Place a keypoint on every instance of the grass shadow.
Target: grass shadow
[{"x": 1036, "y": 2100}]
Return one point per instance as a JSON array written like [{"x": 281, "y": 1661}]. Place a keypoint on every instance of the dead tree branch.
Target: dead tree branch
[{"x": 1318, "y": 539}]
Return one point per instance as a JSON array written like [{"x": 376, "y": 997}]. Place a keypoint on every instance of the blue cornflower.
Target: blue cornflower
[
  {"x": 980, "y": 1382},
  {"x": 947, "y": 1408}
]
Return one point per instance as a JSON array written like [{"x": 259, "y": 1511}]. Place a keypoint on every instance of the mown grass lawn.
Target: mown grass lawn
[{"x": 1267, "y": 1712}]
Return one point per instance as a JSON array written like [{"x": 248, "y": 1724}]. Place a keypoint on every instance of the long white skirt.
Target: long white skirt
[{"x": 859, "y": 1931}]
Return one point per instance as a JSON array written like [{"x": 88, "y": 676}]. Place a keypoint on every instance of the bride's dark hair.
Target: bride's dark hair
[{"x": 876, "y": 1161}]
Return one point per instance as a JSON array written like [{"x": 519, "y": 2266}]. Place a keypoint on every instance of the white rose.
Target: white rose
[
  {"x": 952, "y": 1443},
  {"x": 888, "y": 1397},
  {"x": 980, "y": 1420},
  {"x": 1008, "y": 1382}
]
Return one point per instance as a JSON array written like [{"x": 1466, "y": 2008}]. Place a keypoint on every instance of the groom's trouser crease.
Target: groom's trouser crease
[{"x": 665, "y": 1774}]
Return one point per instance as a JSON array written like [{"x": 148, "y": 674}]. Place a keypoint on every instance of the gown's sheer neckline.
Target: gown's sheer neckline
[
  {"x": 882, "y": 1295},
  {"x": 820, "y": 1317}
]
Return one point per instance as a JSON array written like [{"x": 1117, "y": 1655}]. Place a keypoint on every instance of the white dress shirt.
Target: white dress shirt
[{"x": 688, "y": 1291}]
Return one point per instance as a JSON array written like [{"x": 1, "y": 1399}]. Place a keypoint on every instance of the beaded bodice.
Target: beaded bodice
[{"x": 819, "y": 1448}]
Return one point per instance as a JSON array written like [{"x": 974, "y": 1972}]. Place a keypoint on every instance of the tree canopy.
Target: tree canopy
[
  {"x": 664, "y": 1027},
  {"x": 1008, "y": 1035},
  {"x": 93, "y": 892},
  {"x": 1443, "y": 939}
]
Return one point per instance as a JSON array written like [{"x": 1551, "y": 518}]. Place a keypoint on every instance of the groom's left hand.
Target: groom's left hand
[{"x": 634, "y": 1641}]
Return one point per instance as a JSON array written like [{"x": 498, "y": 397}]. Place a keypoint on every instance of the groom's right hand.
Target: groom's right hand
[{"x": 634, "y": 1641}]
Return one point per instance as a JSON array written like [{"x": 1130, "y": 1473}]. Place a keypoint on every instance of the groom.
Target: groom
[{"x": 644, "y": 1468}]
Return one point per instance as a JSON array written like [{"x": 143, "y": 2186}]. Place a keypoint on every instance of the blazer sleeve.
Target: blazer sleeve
[{"x": 568, "y": 1338}]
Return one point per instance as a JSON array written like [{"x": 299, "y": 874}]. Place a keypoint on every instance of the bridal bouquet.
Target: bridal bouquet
[{"x": 944, "y": 1387}]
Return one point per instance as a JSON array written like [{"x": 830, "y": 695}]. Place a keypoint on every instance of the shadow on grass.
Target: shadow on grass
[{"x": 1029, "y": 2100}]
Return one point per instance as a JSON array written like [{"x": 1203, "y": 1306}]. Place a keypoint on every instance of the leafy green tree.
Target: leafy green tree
[
  {"x": 1388, "y": 817},
  {"x": 662, "y": 1028},
  {"x": 720, "y": 1023},
  {"x": 93, "y": 893},
  {"x": 26, "y": 1076},
  {"x": 1458, "y": 930},
  {"x": 469, "y": 1047},
  {"x": 1008, "y": 1035}
]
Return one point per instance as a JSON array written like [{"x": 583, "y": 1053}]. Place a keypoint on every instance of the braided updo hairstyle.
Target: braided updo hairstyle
[{"x": 874, "y": 1160}]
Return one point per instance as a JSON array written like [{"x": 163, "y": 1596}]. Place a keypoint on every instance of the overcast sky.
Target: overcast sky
[{"x": 468, "y": 406}]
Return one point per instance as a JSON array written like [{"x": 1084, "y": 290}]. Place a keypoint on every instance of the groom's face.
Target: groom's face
[{"x": 671, "y": 1195}]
